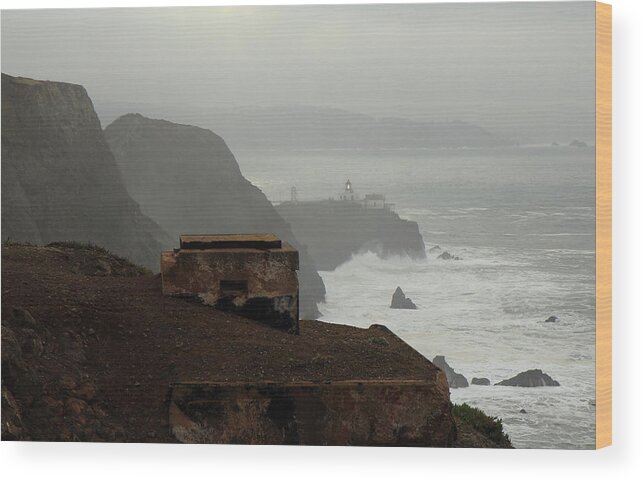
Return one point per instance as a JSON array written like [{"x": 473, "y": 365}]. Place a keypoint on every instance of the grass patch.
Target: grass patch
[
  {"x": 378, "y": 341},
  {"x": 8, "y": 243},
  {"x": 488, "y": 426},
  {"x": 134, "y": 269},
  {"x": 86, "y": 246}
]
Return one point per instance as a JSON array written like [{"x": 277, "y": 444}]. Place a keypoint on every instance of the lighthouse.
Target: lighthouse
[{"x": 349, "y": 193}]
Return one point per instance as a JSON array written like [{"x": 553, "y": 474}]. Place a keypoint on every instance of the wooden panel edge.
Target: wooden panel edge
[{"x": 603, "y": 225}]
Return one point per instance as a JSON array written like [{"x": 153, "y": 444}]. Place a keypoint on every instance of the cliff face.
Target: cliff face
[
  {"x": 59, "y": 178},
  {"x": 187, "y": 179},
  {"x": 333, "y": 231}
]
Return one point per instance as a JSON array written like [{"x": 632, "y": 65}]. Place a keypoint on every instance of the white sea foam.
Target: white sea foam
[
  {"x": 522, "y": 220},
  {"x": 486, "y": 315}
]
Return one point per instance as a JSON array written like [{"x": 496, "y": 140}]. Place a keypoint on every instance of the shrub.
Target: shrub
[
  {"x": 379, "y": 341},
  {"x": 488, "y": 426}
]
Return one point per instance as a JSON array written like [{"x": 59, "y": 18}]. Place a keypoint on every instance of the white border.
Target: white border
[{"x": 51, "y": 461}]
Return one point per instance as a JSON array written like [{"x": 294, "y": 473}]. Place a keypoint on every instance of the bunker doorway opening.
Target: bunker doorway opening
[{"x": 232, "y": 288}]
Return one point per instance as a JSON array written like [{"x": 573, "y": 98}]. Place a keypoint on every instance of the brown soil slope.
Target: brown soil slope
[{"x": 90, "y": 345}]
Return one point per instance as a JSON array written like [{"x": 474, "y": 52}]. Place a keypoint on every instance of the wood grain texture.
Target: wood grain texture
[{"x": 603, "y": 225}]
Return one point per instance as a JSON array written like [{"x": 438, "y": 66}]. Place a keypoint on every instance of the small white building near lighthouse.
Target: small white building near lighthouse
[{"x": 374, "y": 201}]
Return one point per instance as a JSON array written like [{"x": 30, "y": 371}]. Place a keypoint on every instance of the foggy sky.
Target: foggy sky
[{"x": 524, "y": 70}]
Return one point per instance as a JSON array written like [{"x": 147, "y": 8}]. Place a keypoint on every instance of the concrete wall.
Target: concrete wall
[
  {"x": 368, "y": 413},
  {"x": 272, "y": 295}
]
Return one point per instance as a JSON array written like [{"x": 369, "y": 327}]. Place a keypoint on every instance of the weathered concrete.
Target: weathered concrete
[
  {"x": 253, "y": 275},
  {"x": 366, "y": 413}
]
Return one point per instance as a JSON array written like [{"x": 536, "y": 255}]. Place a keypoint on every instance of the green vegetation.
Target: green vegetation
[
  {"x": 488, "y": 426},
  {"x": 88, "y": 246},
  {"x": 379, "y": 341}
]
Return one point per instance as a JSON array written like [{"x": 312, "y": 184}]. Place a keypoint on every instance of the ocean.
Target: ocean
[{"x": 522, "y": 220}]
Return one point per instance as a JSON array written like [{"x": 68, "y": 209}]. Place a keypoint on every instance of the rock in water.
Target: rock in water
[
  {"x": 446, "y": 256},
  {"x": 551, "y": 319},
  {"x": 531, "y": 378},
  {"x": 400, "y": 301},
  {"x": 454, "y": 379},
  {"x": 435, "y": 249},
  {"x": 481, "y": 381}
]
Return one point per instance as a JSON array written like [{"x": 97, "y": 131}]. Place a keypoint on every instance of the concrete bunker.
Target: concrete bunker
[
  {"x": 252, "y": 275},
  {"x": 414, "y": 412}
]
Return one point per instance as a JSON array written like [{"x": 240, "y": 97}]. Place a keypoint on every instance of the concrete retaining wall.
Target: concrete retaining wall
[{"x": 375, "y": 413}]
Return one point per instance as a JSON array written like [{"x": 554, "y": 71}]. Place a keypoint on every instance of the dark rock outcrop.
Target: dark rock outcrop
[
  {"x": 530, "y": 378},
  {"x": 59, "y": 178},
  {"x": 335, "y": 230},
  {"x": 480, "y": 381},
  {"x": 400, "y": 301},
  {"x": 446, "y": 256},
  {"x": 454, "y": 379},
  {"x": 551, "y": 319},
  {"x": 187, "y": 179}
]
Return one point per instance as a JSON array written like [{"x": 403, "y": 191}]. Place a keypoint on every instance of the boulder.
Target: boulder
[
  {"x": 454, "y": 379},
  {"x": 551, "y": 319},
  {"x": 400, "y": 301},
  {"x": 435, "y": 249},
  {"x": 530, "y": 378},
  {"x": 480, "y": 381},
  {"x": 446, "y": 256}
]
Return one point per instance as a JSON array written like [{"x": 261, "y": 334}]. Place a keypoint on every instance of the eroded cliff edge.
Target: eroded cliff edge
[{"x": 59, "y": 177}]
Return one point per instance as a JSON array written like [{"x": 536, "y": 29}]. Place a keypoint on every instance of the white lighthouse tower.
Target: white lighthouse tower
[{"x": 348, "y": 194}]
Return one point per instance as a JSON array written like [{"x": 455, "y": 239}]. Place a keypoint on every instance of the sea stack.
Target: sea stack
[
  {"x": 400, "y": 301},
  {"x": 454, "y": 379},
  {"x": 530, "y": 378}
]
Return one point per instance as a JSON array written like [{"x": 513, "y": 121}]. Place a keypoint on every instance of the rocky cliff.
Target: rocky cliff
[
  {"x": 333, "y": 231},
  {"x": 59, "y": 178},
  {"x": 187, "y": 179},
  {"x": 91, "y": 350}
]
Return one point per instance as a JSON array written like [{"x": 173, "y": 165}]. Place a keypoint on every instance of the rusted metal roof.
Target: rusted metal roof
[{"x": 230, "y": 241}]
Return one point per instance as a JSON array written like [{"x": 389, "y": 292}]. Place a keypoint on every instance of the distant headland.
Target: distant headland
[{"x": 334, "y": 229}]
